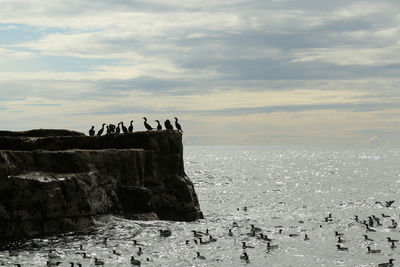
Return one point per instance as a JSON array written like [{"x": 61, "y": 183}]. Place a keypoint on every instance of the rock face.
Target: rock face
[{"x": 60, "y": 183}]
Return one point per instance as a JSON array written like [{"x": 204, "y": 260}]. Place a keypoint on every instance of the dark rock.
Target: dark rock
[{"x": 60, "y": 183}]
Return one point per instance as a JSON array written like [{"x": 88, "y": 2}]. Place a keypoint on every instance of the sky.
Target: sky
[{"x": 235, "y": 72}]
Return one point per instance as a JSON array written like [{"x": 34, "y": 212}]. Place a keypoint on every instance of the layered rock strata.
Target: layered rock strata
[{"x": 60, "y": 183}]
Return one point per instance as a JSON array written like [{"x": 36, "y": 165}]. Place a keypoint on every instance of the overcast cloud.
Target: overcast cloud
[{"x": 235, "y": 72}]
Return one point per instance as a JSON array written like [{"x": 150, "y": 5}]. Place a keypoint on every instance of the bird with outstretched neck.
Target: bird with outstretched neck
[
  {"x": 159, "y": 127},
  {"x": 124, "y": 129},
  {"x": 130, "y": 128},
  {"x": 118, "y": 130},
  {"x": 100, "y": 132},
  {"x": 146, "y": 125},
  {"x": 177, "y": 125}
]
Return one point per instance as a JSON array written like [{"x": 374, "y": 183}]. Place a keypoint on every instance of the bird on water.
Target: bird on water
[
  {"x": 130, "y": 128},
  {"x": 91, "y": 131},
  {"x": 100, "y": 132},
  {"x": 386, "y": 264},
  {"x": 135, "y": 262},
  {"x": 146, "y": 125},
  {"x": 159, "y": 127},
  {"x": 168, "y": 125},
  {"x": 177, "y": 125}
]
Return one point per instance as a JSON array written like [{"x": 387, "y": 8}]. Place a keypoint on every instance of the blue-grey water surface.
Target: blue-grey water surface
[{"x": 292, "y": 189}]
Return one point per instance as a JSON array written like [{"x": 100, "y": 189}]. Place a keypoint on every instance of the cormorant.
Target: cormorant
[
  {"x": 341, "y": 248},
  {"x": 116, "y": 253},
  {"x": 100, "y": 132},
  {"x": 177, "y": 125},
  {"x": 165, "y": 233},
  {"x": 159, "y": 127},
  {"x": 124, "y": 129},
  {"x": 135, "y": 262},
  {"x": 386, "y": 264},
  {"x": 168, "y": 125},
  {"x": 108, "y": 130},
  {"x": 200, "y": 256},
  {"x": 91, "y": 131},
  {"x": 148, "y": 127},
  {"x": 118, "y": 130},
  {"x": 112, "y": 128},
  {"x": 98, "y": 262},
  {"x": 373, "y": 250},
  {"x": 130, "y": 128}
]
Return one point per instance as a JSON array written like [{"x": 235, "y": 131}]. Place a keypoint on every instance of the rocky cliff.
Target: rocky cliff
[{"x": 53, "y": 182}]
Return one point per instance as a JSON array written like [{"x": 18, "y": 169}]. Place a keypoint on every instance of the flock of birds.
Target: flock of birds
[
  {"x": 121, "y": 128},
  {"x": 249, "y": 238}
]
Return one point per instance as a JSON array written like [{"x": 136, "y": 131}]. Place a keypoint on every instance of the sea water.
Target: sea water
[{"x": 292, "y": 189}]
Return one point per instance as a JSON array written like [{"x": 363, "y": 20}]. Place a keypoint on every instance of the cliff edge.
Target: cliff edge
[{"x": 53, "y": 182}]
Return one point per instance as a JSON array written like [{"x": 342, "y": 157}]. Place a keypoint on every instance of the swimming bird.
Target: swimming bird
[
  {"x": 124, "y": 129},
  {"x": 230, "y": 232},
  {"x": 98, "y": 262},
  {"x": 118, "y": 130},
  {"x": 100, "y": 132},
  {"x": 212, "y": 239},
  {"x": 177, "y": 125},
  {"x": 196, "y": 234},
  {"x": 80, "y": 247},
  {"x": 244, "y": 246},
  {"x": 168, "y": 125},
  {"x": 373, "y": 250},
  {"x": 159, "y": 127},
  {"x": 50, "y": 263},
  {"x": 269, "y": 246},
  {"x": 135, "y": 243},
  {"x": 116, "y": 253},
  {"x": 244, "y": 257},
  {"x": 306, "y": 238},
  {"x": 340, "y": 248},
  {"x": 393, "y": 245},
  {"x": 338, "y": 234},
  {"x": 340, "y": 240},
  {"x": 356, "y": 218},
  {"x": 130, "y": 128},
  {"x": 165, "y": 233},
  {"x": 200, "y": 256},
  {"x": 367, "y": 238},
  {"x": 91, "y": 131},
  {"x": 146, "y": 125},
  {"x": 391, "y": 240},
  {"x": 369, "y": 229},
  {"x": 386, "y": 264},
  {"x": 135, "y": 262},
  {"x": 265, "y": 237},
  {"x": 255, "y": 229},
  {"x": 85, "y": 256},
  {"x": 139, "y": 252},
  {"x": 385, "y": 216}
]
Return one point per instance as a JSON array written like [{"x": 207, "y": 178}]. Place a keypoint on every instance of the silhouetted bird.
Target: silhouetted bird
[
  {"x": 159, "y": 127},
  {"x": 130, "y": 128},
  {"x": 100, "y": 132},
  {"x": 112, "y": 128},
  {"x": 108, "y": 130},
  {"x": 146, "y": 125},
  {"x": 168, "y": 125},
  {"x": 124, "y": 129},
  {"x": 200, "y": 256},
  {"x": 386, "y": 264},
  {"x": 135, "y": 262},
  {"x": 118, "y": 130},
  {"x": 98, "y": 262},
  {"x": 177, "y": 125},
  {"x": 91, "y": 131}
]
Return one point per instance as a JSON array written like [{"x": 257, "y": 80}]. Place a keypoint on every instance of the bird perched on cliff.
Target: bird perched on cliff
[
  {"x": 177, "y": 125},
  {"x": 124, "y": 129},
  {"x": 112, "y": 128},
  {"x": 159, "y": 127},
  {"x": 100, "y": 132},
  {"x": 91, "y": 131},
  {"x": 168, "y": 125},
  {"x": 130, "y": 128},
  {"x": 118, "y": 130},
  {"x": 146, "y": 125}
]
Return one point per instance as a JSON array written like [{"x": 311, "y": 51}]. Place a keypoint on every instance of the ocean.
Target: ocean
[{"x": 286, "y": 192}]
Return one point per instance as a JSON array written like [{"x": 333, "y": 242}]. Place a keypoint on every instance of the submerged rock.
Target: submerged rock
[{"x": 55, "y": 184}]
